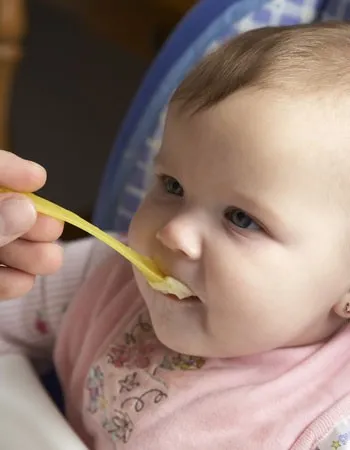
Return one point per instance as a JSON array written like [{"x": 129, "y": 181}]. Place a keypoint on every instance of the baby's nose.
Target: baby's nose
[{"x": 181, "y": 236}]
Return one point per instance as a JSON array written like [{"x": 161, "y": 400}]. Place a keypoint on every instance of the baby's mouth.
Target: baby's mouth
[
  {"x": 190, "y": 299},
  {"x": 169, "y": 285},
  {"x": 175, "y": 290}
]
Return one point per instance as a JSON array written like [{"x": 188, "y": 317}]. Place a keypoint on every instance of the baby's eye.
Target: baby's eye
[
  {"x": 241, "y": 219},
  {"x": 172, "y": 186}
]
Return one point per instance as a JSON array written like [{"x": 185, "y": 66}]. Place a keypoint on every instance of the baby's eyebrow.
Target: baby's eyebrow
[{"x": 158, "y": 161}]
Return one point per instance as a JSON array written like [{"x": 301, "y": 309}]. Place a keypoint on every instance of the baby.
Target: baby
[{"x": 250, "y": 209}]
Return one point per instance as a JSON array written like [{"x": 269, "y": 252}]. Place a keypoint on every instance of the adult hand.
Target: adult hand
[{"x": 27, "y": 240}]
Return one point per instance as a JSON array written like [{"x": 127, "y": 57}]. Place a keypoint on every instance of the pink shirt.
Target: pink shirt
[{"x": 124, "y": 389}]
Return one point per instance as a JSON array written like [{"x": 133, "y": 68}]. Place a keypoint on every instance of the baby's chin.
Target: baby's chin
[
  {"x": 197, "y": 345},
  {"x": 164, "y": 331},
  {"x": 174, "y": 343}
]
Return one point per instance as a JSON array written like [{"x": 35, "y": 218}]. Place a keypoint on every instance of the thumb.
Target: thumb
[{"x": 17, "y": 216}]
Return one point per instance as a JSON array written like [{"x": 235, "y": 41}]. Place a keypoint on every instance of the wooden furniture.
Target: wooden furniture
[
  {"x": 139, "y": 26},
  {"x": 12, "y": 29}
]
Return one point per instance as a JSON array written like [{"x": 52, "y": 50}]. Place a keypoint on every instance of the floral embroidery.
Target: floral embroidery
[
  {"x": 182, "y": 362},
  {"x": 40, "y": 323},
  {"x": 136, "y": 369},
  {"x": 138, "y": 345},
  {"x": 95, "y": 385},
  {"x": 119, "y": 426},
  {"x": 118, "y": 355},
  {"x": 128, "y": 383},
  {"x": 139, "y": 402}
]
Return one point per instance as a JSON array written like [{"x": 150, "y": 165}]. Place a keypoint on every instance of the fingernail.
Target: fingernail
[
  {"x": 36, "y": 165},
  {"x": 17, "y": 216}
]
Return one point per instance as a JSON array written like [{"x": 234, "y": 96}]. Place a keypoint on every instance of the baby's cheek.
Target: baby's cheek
[
  {"x": 145, "y": 225},
  {"x": 138, "y": 231},
  {"x": 246, "y": 304}
]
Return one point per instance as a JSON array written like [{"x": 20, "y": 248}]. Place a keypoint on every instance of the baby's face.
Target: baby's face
[{"x": 245, "y": 211}]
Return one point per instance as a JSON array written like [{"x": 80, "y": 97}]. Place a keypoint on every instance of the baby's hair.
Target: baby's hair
[{"x": 302, "y": 58}]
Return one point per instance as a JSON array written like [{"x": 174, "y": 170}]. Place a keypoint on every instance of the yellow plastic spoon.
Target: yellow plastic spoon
[{"x": 146, "y": 266}]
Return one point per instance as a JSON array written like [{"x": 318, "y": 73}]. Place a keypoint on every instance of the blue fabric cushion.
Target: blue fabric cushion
[{"x": 336, "y": 10}]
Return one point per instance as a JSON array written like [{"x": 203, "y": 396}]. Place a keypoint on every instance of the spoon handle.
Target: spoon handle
[{"x": 145, "y": 265}]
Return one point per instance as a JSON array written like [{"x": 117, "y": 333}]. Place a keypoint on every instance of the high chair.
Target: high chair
[{"x": 29, "y": 416}]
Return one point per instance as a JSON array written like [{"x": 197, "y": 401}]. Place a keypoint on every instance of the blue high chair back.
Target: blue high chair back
[{"x": 206, "y": 26}]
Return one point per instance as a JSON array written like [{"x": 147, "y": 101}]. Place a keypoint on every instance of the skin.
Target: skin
[
  {"x": 248, "y": 210},
  {"x": 27, "y": 242}
]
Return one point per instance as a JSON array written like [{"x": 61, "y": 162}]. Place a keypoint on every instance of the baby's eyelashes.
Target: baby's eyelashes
[
  {"x": 241, "y": 219},
  {"x": 171, "y": 185}
]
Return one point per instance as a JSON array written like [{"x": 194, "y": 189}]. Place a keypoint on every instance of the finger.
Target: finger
[
  {"x": 14, "y": 283},
  {"x": 19, "y": 174},
  {"x": 17, "y": 216},
  {"x": 31, "y": 257},
  {"x": 45, "y": 229}
]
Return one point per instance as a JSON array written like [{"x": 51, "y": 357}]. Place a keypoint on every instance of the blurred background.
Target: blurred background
[{"x": 68, "y": 71}]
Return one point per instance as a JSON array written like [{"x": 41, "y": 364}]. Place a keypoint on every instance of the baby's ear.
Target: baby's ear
[{"x": 342, "y": 308}]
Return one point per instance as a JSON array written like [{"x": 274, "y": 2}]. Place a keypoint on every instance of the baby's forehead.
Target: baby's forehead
[
  {"x": 278, "y": 119},
  {"x": 268, "y": 134}
]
